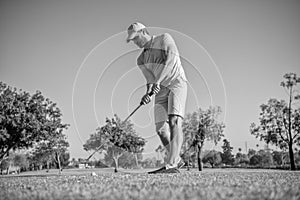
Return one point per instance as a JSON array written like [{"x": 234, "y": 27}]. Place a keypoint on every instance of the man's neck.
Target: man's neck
[{"x": 149, "y": 41}]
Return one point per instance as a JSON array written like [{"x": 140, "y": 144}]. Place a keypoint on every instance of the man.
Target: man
[{"x": 160, "y": 64}]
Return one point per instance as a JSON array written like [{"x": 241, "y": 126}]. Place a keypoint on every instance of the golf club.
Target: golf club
[
  {"x": 97, "y": 149},
  {"x": 141, "y": 104},
  {"x": 150, "y": 94}
]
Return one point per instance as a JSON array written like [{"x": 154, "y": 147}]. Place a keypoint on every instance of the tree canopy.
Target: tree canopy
[
  {"x": 26, "y": 119},
  {"x": 201, "y": 126},
  {"x": 227, "y": 156},
  {"x": 114, "y": 138},
  {"x": 279, "y": 122},
  {"x": 54, "y": 149},
  {"x": 212, "y": 157}
]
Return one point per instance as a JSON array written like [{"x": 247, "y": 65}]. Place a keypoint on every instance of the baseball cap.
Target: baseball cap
[{"x": 133, "y": 29}]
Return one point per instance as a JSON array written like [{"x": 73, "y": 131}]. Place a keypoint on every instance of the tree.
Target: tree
[
  {"x": 100, "y": 164},
  {"x": 266, "y": 158},
  {"x": 64, "y": 159},
  {"x": 274, "y": 126},
  {"x": 255, "y": 160},
  {"x": 297, "y": 157},
  {"x": 280, "y": 157},
  {"x": 293, "y": 124},
  {"x": 213, "y": 157},
  {"x": 114, "y": 138},
  {"x": 135, "y": 145},
  {"x": 21, "y": 161},
  {"x": 4, "y": 165},
  {"x": 244, "y": 159},
  {"x": 241, "y": 158},
  {"x": 129, "y": 159},
  {"x": 97, "y": 142},
  {"x": 53, "y": 149},
  {"x": 279, "y": 121},
  {"x": 58, "y": 147},
  {"x": 201, "y": 126},
  {"x": 149, "y": 162},
  {"x": 26, "y": 119},
  {"x": 227, "y": 156},
  {"x": 190, "y": 127},
  {"x": 15, "y": 162},
  {"x": 251, "y": 153},
  {"x": 162, "y": 153},
  {"x": 36, "y": 161}
]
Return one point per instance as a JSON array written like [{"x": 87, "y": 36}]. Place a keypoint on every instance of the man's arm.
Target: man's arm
[
  {"x": 148, "y": 76},
  {"x": 171, "y": 52}
]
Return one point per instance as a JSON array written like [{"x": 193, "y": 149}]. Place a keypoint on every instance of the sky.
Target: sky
[{"x": 234, "y": 53}]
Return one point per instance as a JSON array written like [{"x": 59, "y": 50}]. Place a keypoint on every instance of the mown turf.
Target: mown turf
[{"x": 209, "y": 184}]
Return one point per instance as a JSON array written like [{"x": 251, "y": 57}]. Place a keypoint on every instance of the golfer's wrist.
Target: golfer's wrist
[
  {"x": 156, "y": 82},
  {"x": 149, "y": 88}
]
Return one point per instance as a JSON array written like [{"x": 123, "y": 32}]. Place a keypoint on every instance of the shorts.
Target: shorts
[{"x": 170, "y": 101}]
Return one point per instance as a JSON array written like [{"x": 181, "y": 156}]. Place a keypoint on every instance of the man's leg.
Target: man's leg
[
  {"x": 176, "y": 109},
  {"x": 162, "y": 129},
  {"x": 176, "y": 139},
  {"x": 161, "y": 117},
  {"x": 170, "y": 106}
]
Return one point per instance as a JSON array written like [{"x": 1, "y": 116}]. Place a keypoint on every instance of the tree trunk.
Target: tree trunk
[
  {"x": 5, "y": 154},
  {"x": 293, "y": 167},
  {"x": 200, "y": 166},
  {"x": 136, "y": 160},
  {"x": 8, "y": 168},
  {"x": 188, "y": 161},
  {"x": 58, "y": 162},
  {"x": 48, "y": 166},
  {"x": 291, "y": 153},
  {"x": 116, "y": 164},
  {"x": 116, "y": 161}
]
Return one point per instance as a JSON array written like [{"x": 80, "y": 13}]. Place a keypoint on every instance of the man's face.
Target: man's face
[{"x": 138, "y": 40}]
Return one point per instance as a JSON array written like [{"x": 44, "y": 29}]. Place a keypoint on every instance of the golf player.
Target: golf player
[{"x": 160, "y": 63}]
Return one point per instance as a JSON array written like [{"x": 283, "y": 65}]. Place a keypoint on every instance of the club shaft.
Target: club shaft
[
  {"x": 133, "y": 112},
  {"x": 150, "y": 94}
]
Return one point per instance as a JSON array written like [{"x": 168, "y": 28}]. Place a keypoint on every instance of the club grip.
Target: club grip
[{"x": 150, "y": 94}]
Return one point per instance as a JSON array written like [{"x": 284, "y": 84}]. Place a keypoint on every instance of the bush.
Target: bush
[{"x": 255, "y": 160}]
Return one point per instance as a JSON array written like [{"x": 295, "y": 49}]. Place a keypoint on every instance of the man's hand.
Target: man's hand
[
  {"x": 146, "y": 99},
  {"x": 155, "y": 88}
]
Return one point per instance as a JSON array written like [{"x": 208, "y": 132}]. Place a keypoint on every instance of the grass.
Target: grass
[{"x": 104, "y": 184}]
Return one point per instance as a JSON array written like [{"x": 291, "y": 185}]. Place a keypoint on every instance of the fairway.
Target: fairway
[{"x": 104, "y": 184}]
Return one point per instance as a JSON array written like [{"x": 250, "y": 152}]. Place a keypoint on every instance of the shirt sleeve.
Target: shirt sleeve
[{"x": 170, "y": 54}]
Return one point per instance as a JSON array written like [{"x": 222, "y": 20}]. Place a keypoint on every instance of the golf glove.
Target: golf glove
[
  {"x": 155, "y": 88},
  {"x": 146, "y": 99}
]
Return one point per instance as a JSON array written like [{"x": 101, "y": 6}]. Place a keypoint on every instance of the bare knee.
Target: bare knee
[
  {"x": 163, "y": 132},
  {"x": 173, "y": 120},
  {"x": 161, "y": 128}
]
